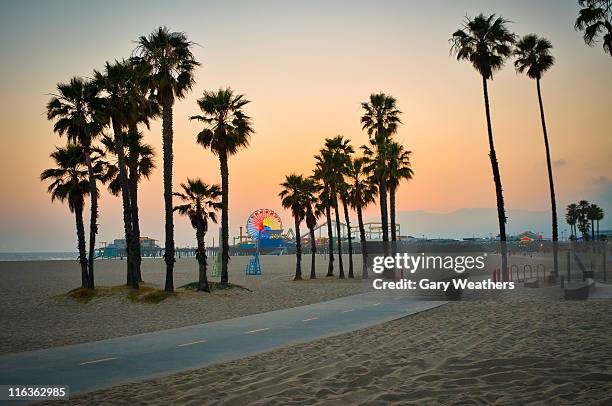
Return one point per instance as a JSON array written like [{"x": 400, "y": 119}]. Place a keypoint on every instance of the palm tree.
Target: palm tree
[
  {"x": 533, "y": 57},
  {"x": 323, "y": 207},
  {"x": 341, "y": 151},
  {"x": 172, "y": 76},
  {"x": 293, "y": 198},
  {"x": 362, "y": 192},
  {"x": 140, "y": 163},
  {"x": 72, "y": 109},
  {"x": 330, "y": 165},
  {"x": 592, "y": 214},
  {"x": 227, "y": 130},
  {"x": 344, "y": 189},
  {"x": 381, "y": 120},
  {"x": 117, "y": 101},
  {"x": 310, "y": 195},
  {"x": 595, "y": 19},
  {"x": 486, "y": 42},
  {"x": 583, "y": 218},
  {"x": 599, "y": 215},
  {"x": 70, "y": 182},
  {"x": 142, "y": 110},
  {"x": 571, "y": 217},
  {"x": 399, "y": 168},
  {"x": 200, "y": 204}
]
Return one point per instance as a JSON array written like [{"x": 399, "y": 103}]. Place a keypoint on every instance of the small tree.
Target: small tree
[{"x": 200, "y": 204}]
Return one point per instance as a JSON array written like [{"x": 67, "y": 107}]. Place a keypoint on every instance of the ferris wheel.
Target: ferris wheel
[{"x": 263, "y": 224}]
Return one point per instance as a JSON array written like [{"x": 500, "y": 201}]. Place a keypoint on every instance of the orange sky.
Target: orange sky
[{"x": 307, "y": 67}]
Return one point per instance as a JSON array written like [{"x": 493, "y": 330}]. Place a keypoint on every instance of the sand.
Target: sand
[
  {"x": 36, "y": 319},
  {"x": 522, "y": 347},
  {"x": 507, "y": 349}
]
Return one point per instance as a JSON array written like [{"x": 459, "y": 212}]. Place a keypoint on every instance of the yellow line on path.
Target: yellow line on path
[
  {"x": 311, "y": 319},
  {"x": 256, "y": 331},
  {"x": 97, "y": 360},
  {"x": 192, "y": 343}
]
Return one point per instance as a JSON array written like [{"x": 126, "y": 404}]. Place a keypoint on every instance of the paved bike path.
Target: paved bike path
[{"x": 101, "y": 364}]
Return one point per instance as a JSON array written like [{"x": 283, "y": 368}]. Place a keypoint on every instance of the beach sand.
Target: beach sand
[
  {"x": 513, "y": 348},
  {"x": 35, "y": 318}
]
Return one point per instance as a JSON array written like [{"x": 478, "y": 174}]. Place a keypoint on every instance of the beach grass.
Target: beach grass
[
  {"x": 215, "y": 286},
  {"x": 146, "y": 294}
]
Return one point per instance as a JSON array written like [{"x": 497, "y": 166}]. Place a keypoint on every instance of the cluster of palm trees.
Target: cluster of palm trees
[
  {"x": 340, "y": 178},
  {"x": 110, "y": 107},
  {"x": 582, "y": 217},
  {"x": 486, "y": 42}
]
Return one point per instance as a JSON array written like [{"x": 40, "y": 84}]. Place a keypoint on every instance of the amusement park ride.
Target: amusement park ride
[{"x": 264, "y": 235}]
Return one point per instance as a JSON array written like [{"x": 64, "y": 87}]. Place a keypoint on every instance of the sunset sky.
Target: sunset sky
[{"x": 306, "y": 66}]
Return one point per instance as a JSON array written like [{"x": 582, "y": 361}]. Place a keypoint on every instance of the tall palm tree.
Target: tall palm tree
[
  {"x": 595, "y": 19},
  {"x": 140, "y": 163},
  {"x": 381, "y": 120},
  {"x": 533, "y": 57},
  {"x": 200, "y": 204},
  {"x": 117, "y": 101},
  {"x": 400, "y": 168},
  {"x": 592, "y": 214},
  {"x": 310, "y": 190},
  {"x": 571, "y": 217},
  {"x": 362, "y": 192},
  {"x": 72, "y": 108},
  {"x": 330, "y": 165},
  {"x": 292, "y": 197},
  {"x": 172, "y": 75},
  {"x": 323, "y": 207},
  {"x": 344, "y": 189},
  {"x": 227, "y": 130},
  {"x": 583, "y": 219},
  {"x": 341, "y": 150},
  {"x": 70, "y": 181},
  {"x": 486, "y": 43},
  {"x": 142, "y": 109}
]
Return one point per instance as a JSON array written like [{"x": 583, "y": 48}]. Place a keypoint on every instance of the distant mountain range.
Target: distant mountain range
[{"x": 473, "y": 223}]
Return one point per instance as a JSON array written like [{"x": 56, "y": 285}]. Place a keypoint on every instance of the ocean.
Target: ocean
[{"x": 38, "y": 256}]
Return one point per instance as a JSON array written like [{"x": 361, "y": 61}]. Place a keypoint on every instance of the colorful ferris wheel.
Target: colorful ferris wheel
[{"x": 263, "y": 224}]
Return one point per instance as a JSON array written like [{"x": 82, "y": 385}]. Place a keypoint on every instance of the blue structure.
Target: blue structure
[{"x": 253, "y": 267}]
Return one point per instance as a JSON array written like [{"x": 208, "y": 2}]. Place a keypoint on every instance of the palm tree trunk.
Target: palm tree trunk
[
  {"x": 93, "y": 193},
  {"x": 313, "y": 253},
  {"x": 364, "y": 247},
  {"x": 224, "y": 217},
  {"x": 125, "y": 195},
  {"x": 93, "y": 216},
  {"x": 330, "y": 239},
  {"x": 135, "y": 222},
  {"x": 384, "y": 217},
  {"x": 338, "y": 235},
  {"x": 201, "y": 255},
  {"x": 501, "y": 213},
  {"x": 298, "y": 250},
  {"x": 167, "y": 138},
  {"x": 80, "y": 228},
  {"x": 553, "y": 200},
  {"x": 593, "y": 230},
  {"x": 392, "y": 214},
  {"x": 351, "y": 273},
  {"x": 133, "y": 181}
]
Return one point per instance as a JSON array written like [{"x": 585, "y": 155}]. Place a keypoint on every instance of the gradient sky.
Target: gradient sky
[{"x": 306, "y": 66}]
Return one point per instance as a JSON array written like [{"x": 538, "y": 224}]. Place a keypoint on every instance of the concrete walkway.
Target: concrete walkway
[{"x": 101, "y": 364}]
